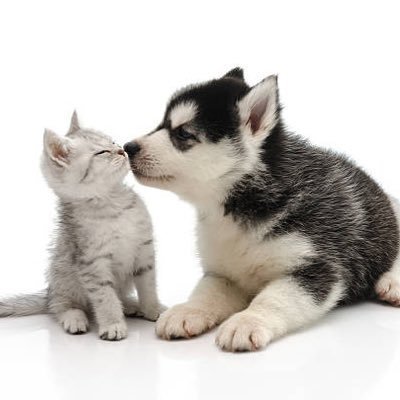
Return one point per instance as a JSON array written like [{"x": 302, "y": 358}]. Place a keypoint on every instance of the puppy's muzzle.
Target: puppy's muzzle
[{"x": 132, "y": 149}]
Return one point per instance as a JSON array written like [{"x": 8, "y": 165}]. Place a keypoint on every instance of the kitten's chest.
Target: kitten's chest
[
  {"x": 118, "y": 235},
  {"x": 246, "y": 256}
]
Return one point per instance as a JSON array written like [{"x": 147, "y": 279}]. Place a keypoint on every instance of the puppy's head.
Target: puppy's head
[{"x": 210, "y": 136}]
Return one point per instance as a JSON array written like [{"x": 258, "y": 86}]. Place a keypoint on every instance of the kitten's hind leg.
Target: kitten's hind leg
[
  {"x": 74, "y": 321},
  {"x": 145, "y": 283},
  {"x": 149, "y": 305}
]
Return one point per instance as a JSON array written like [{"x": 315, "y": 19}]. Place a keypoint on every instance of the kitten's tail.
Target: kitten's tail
[{"x": 26, "y": 304}]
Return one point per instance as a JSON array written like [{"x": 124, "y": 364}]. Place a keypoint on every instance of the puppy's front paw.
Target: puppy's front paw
[
  {"x": 243, "y": 331},
  {"x": 116, "y": 331},
  {"x": 184, "y": 321}
]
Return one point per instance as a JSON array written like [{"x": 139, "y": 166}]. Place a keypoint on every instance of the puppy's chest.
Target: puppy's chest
[{"x": 246, "y": 256}]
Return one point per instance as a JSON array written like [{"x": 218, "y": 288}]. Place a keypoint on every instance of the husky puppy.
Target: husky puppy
[
  {"x": 286, "y": 231},
  {"x": 104, "y": 244}
]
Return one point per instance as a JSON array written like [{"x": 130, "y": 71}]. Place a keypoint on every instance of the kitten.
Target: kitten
[{"x": 104, "y": 245}]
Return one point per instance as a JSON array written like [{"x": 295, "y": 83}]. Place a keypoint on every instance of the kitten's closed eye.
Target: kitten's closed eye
[{"x": 102, "y": 152}]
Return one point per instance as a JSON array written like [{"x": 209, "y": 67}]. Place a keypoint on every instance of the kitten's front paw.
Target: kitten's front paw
[
  {"x": 153, "y": 313},
  {"x": 184, "y": 321},
  {"x": 243, "y": 331},
  {"x": 74, "y": 321},
  {"x": 131, "y": 308},
  {"x": 117, "y": 331}
]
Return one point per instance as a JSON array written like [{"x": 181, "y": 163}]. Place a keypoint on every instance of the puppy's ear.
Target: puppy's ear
[
  {"x": 74, "y": 125},
  {"x": 259, "y": 109},
  {"x": 57, "y": 148},
  {"x": 236, "y": 73}
]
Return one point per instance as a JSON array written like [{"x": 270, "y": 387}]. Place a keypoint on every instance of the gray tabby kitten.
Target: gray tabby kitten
[{"x": 104, "y": 247}]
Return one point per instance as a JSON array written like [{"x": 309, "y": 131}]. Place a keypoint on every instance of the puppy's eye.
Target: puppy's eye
[
  {"x": 182, "y": 134},
  {"x": 102, "y": 152}
]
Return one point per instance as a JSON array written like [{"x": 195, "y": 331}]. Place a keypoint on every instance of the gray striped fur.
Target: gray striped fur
[{"x": 104, "y": 246}]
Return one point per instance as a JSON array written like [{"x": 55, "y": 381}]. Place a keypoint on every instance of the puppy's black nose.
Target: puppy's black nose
[{"x": 132, "y": 148}]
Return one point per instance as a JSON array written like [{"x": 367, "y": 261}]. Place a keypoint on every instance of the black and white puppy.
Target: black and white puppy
[{"x": 286, "y": 231}]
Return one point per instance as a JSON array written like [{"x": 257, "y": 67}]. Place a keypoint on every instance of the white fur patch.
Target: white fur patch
[
  {"x": 201, "y": 175},
  {"x": 388, "y": 286},
  {"x": 182, "y": 113},
  {"x": 246, "y": 258}
]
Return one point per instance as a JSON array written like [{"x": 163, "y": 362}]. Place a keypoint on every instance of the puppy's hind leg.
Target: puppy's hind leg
[{"x": 388, "y": 286}]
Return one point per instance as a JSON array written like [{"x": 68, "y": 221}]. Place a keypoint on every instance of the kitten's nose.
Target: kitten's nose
[
  {"x": 132, "y": 148},
  {"x": 120, "y": 152}
]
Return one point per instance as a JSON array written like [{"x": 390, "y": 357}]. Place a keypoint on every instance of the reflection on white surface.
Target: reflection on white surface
[{"x": 351, "y": 354}]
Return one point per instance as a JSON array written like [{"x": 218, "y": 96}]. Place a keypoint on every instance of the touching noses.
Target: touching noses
[{"x": 132, "y": 148}]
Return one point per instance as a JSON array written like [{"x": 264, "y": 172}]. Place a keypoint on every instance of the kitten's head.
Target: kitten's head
[{"x": 83, "y": 164}]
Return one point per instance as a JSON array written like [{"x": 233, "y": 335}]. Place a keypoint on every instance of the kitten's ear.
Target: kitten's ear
[
  {"x": 57, "y": 148},
  {"x": 259, "y": 109},
  {"x": 74, "y": 126},
  {"x": 235, "y": 73}
]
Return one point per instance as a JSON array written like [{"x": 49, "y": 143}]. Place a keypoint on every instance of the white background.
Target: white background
[{"x": 117, "y": 62}]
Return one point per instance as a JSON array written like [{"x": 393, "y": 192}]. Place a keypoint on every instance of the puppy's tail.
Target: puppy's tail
[{"x": 22, "y": 305}]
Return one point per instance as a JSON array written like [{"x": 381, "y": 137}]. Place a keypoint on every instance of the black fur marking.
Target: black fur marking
[
  {"x": 180, "y": 143},
  {"x": 89, "y": 275},
  {"x": 108, "y": 256},
  {"x": 317, "y": 278},
  {"x": 216, "y": 103},
  {"x": 97, "y": 286},
  {"x": 142, "y": 270},
  {"x": 106, "y": 283},
  {"x": 110, "y": 216},
  {"x": 147, "y": 242},
  {"x": 89, "y": 167},
  {"x": 130, "y": 206},
  {"x": 236, "y": 73},
  {"x": 326, "y": 198}
]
